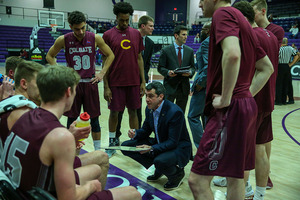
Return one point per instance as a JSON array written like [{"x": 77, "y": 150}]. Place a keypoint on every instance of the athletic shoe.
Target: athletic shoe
[
  {"x": 221, "y": 182},
  {"x": 111, "y": 152},
  {"x": 117, "y": 141},
  {"x": 249, "y": 193},
  {"x": 269, "y": 184},
  {"x": 219, "y": 195}
]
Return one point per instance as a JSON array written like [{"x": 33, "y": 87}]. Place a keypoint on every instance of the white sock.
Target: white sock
[
  {"x": 259, "y": 193},
  {"x": 112, "y": 134},
  {"x": 97, "y": 144}
]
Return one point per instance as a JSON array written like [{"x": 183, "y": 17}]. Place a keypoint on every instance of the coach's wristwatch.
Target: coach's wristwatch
[{"x": 151, "y": 152}]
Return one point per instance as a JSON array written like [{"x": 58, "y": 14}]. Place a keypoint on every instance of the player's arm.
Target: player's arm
[
  {"x": 109, "y": 57},
  {"x": 142, "y": 74},
  {"x": 107, "y": 91},
  {"x": 55, "y": 49},
  {"x": 264, "y": 70},
  {"x": 230, "y": 69},
  {"x": 59, "y": 148}
]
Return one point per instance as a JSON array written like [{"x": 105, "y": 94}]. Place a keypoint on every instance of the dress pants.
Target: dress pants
[
  {"x": 164, "y": 163},
  {"x": 180, "y": 96},
  {"x": 282, "y": 83},
  {"x": 290, "y": 89},
  {"x": 195, "y": 112}
]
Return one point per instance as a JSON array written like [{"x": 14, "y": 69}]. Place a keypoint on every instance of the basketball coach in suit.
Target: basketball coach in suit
[
  {"x": 175, "y": 56},
  {"x": 171, "y": 149}
]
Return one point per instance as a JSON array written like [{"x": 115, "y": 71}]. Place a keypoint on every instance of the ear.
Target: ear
[
  {"x": 264, "y": 11},
  {"x": 68, "y": 92},
  {"x": 161, "y": 97},
  {"x": 11, "y": 74},
  {"x": 23, "y": 84}
]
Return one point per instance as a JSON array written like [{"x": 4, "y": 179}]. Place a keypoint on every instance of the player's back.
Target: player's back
[
  {"x": 22, "y": 163},
  {"x": 269, "y": 42},
  {"x": 277, "y": 31}
]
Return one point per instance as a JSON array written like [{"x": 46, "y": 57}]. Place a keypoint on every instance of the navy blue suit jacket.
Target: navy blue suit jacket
[
  {"x": 168, "y": 60},
  {"x": 172, "y": 132}
]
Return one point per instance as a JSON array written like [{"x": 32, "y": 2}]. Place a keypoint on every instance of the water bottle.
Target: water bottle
[{"x": 83, "y": 121}]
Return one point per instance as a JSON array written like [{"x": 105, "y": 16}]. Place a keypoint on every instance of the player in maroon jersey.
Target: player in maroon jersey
[
  {"x": 80, "y": 54},
  {"x": 27, "y": 98},
  {"x": 124, "y": 85},
  {"x": 260, "y": 8},
  {"x": 228, "y": 144},
  {"x": 265, "y": 102},
  {"x": 40, "y": 151}
]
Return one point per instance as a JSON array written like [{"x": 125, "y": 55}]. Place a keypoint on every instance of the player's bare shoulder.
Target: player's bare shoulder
[
  {"x": 60, "y": 42},
  {"x": 98, "y": 40},
  {"x": 60, "y": 136}
]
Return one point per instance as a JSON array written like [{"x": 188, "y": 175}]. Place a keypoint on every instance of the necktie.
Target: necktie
[{"x": 179, "y": 55}]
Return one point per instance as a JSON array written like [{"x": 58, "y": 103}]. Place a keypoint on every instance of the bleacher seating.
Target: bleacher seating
[
  {"x": 16, "y": 37},
  {"x": 163, "y": 29},
  {"x": 281, "y": 8}
]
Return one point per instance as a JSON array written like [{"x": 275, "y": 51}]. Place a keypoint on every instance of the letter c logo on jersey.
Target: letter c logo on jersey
[{"x": 126, "y": 46}]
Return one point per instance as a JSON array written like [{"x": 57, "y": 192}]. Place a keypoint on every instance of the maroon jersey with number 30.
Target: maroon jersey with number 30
[{"x": 81, "y": 55}]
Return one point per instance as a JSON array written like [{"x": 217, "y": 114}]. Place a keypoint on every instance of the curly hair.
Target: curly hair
[
  {"x": 123, "y": 7},
  {"x": 76, "y": 17}
]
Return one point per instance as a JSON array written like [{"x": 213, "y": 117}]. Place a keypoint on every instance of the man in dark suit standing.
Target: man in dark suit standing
[
  {"x": 146, "y": 27},
  {"x": 171, "y": 149},
  {"x": 175, "y": 56}
]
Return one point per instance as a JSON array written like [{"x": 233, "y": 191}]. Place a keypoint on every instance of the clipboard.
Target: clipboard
[
  {"x": 183, "y": 70},
  {"x": 126, "y": 148}
]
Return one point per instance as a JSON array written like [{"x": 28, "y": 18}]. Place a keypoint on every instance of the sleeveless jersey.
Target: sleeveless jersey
[
  {"x": 20, "y": 160},
  {"x": 266, "y": 96},
  {"x": 6, "y": 107},
  {"x": 81, "y": 55},
  {"x": 4, "y": 131}
]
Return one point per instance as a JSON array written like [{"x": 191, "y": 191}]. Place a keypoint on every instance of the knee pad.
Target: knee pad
[{"x": 95, "y": 125}]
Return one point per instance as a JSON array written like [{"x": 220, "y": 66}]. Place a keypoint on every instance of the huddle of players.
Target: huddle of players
[
  {"x": 67, "y": 80},
  {"x": 49, "y": 159}
]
